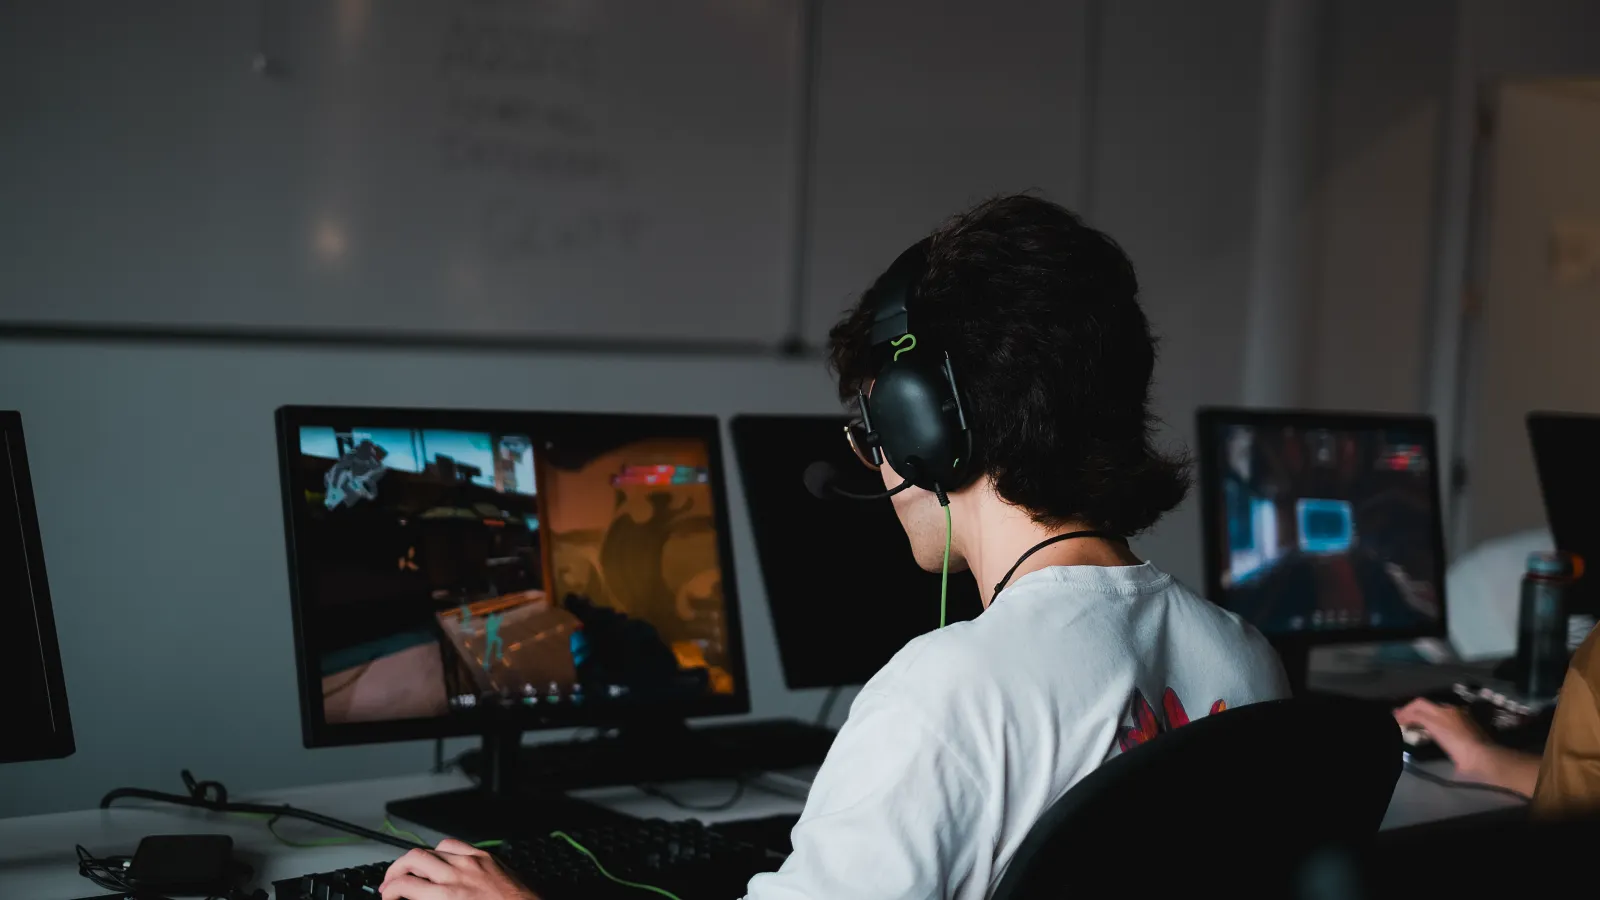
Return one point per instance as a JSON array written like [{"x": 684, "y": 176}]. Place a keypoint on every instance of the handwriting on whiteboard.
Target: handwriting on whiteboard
[
  {"x": 505, "y": 48},
  {"x": 511, "y": 231},
  {"x": 508, "y": 155},
  {"x": 520, "y": 102},
  {"x": 475, "y": 110}
]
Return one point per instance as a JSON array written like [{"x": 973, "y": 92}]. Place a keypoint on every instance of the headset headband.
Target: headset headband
[{"x": 895, "y": 293}]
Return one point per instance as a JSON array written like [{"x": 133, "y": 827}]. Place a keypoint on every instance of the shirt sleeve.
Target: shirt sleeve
[
  {"x": 1569, "y": 774},
  {"x": 895, "y": 811}
]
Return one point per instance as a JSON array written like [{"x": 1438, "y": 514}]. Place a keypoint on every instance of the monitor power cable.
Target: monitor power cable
[{"x": 213, "y": 796}]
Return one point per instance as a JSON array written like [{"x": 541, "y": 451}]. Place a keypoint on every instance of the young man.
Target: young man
[{"x": 962, "y": 741}]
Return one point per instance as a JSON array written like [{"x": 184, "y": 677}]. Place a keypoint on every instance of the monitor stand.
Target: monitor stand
[{"x": 498, "y": 807}]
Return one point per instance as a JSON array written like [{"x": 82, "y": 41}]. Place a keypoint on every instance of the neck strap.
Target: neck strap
[{"x": 1055, "y": 539}]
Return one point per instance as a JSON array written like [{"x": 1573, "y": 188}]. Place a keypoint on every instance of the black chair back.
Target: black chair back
[{"x": 1238, "y": 800}]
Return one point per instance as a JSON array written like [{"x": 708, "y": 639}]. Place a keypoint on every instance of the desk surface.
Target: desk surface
[{"x": 37, "y": 859}]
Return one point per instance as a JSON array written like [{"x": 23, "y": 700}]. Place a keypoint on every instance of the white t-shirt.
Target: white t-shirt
[{"x": 966, "y": 737}]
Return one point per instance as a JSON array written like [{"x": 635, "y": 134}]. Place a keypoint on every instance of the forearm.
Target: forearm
[{"x": 1510, "y": 769}]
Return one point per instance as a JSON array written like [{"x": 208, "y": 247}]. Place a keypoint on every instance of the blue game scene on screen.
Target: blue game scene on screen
[{"x": 1327, "y": 529}]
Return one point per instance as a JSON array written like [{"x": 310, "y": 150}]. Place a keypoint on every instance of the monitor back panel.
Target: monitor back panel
[
  {"x": 844, "y": 590},
  {"x": 37, "y": 723}
]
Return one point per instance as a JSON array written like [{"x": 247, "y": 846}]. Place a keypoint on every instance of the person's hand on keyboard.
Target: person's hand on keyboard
[
  {"x": 1476, "y": 757},
  {"x": 453, "y": 871}
]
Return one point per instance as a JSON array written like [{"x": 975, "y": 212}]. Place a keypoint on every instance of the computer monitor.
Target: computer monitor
[
  {"x": 844, "y": 590},
  {"x": 1323, "y": 527},
  {"x": 1564, "y": 449},
  {"x": 37, "y": 723},
  {"x": 466, "y": 572}
]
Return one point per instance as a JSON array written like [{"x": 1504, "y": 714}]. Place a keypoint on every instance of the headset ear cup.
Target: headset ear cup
[{"x": 919, "y": 426}]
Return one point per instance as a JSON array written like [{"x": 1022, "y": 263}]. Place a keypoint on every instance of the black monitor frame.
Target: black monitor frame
[
  {"x": 18, "y": 746},
  {"x": 1569, "y": 521},
  {"x": 773, "y": 451},
  {"x": 1294, "y": 645},
  {"x": 318, "y": 732}
]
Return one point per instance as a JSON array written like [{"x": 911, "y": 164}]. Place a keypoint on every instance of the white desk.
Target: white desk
[{"x": 38, "y": 862}]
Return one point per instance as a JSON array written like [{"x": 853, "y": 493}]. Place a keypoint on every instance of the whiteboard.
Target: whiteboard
[{"x": 605, "y": 168}]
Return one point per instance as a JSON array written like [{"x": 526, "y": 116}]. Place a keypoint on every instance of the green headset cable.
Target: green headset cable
[
  {"x": 401, "y": 833},
  {"x": 562, "y": 835}
]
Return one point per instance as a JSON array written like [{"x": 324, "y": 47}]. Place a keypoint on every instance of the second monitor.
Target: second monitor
[
  {"x": 1323, "y": 528},
  {"x": 844, "y": 590}
]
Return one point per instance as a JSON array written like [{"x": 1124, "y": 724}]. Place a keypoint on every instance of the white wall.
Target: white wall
[
  {"x": 1388, "y": 73},
  {"x": 1532, "y": 343},
  {"x": 1174, "y": 171}
]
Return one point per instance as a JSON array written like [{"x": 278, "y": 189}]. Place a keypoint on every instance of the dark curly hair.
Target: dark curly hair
[{"x": 1040, "y": 315}]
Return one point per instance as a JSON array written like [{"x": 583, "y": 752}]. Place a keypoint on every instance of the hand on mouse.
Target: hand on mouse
[
  {"x": 453, "y": 871},
  {"x": 1456, "y": 734}
]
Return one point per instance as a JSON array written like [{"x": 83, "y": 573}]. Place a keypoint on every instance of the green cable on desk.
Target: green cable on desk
[
  {"x": 562, "y": 835},
  {"x": 389, "y": 827},
  {"x": 271, "y": 822}
]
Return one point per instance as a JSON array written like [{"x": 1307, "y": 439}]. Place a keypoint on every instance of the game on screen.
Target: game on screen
[
  {"x": 450, "y": 569},
  {"x": 1327, "y": 530}
]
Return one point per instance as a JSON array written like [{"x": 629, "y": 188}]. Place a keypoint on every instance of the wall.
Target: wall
[
  {"x": 1533, "y": 331},
  {"x": 1387, "y": 75},
  {"x": 1174, "y": 156},
  {"x": 1498, "y": 41}
]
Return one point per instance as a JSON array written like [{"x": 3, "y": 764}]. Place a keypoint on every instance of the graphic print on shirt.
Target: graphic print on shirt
[{"x": 1145, "y": 723}]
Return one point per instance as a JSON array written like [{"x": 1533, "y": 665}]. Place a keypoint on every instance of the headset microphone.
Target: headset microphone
[{"x": 821, "y": 480}]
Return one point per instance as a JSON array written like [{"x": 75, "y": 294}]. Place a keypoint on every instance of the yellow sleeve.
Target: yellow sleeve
[{"x": 1569, "y": 774}]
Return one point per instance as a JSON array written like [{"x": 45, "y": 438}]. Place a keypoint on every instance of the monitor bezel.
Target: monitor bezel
[
  {"x": 1209, "y": 420},
  {"x": 1546, "y": 429},
  {"x": 318, "y": 732},
  {"x": 61, "y": 743}
]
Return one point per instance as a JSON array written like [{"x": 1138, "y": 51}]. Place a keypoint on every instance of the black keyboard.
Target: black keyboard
[
  {"x": 718, "y": 751},
  {"x": 686, "y": 858}
]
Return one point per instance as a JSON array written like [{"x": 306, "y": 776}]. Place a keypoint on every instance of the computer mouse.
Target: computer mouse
[{"x": 1415, "y": 736}]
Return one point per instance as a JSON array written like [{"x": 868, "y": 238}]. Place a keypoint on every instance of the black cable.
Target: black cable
[
  {"x": 738, "y": 794},
  {"x": 826, "y": 713},
  {"x": 111, "y": 873},
  {"x": 1056, "y": 539},
  {"x": 108, "y": 872},
  {"x": 212, "y": 796},
  {"x": 1425, "y": 775}
]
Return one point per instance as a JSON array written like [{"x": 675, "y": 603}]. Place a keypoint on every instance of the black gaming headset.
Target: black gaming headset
[{"x": 912, "y": 414}]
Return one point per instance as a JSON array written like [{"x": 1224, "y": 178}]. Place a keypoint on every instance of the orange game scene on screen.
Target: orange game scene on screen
[{"x": 456, "y": 569}]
